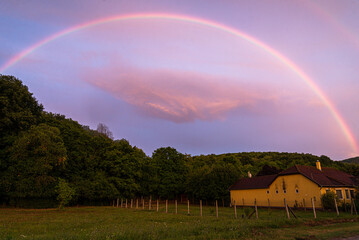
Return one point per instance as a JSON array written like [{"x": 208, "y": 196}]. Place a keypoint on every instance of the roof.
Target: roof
[
  {"x": 254, "y": 182},
  {"x": 328, "y": 177}
]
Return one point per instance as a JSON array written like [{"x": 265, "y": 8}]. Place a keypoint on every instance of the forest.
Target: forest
[{"x": 41, "y": 151}]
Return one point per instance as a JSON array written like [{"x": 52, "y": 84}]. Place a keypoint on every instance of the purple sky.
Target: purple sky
[{"x": 201, "y": 90}]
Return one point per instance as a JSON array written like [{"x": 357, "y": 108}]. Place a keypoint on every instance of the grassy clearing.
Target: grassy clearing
[{"x": 120, "y": 223}]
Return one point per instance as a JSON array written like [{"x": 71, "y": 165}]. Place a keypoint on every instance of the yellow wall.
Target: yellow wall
[
  {"x": 306, "y": 190},
  {"x": 344, "y": 198}
]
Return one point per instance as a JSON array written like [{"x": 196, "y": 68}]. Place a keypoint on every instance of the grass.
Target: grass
[{"x": 121, "y": 223}]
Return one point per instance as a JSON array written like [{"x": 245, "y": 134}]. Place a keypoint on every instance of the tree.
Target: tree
[
  {"x": 19, "y": 110},
  {"x": 170, "y": 172},
  {"x": 37, "y": 158},
  {"x": 103, "y": 129},
  {"x": 65, "y": 193}
]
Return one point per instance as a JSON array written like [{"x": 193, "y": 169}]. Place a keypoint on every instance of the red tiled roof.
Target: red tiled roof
[
  {"x": 328, "y": 177},
  {"x": 254, "y": 182}
]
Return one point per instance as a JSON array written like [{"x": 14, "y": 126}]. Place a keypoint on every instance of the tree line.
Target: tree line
[{"x": 40, "y": 151}]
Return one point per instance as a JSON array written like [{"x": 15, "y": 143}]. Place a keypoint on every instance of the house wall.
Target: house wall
[
  {"x": 345, "y": 198},
  {"x": 297, "y": 188}
]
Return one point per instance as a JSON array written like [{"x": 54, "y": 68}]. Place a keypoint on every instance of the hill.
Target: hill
[{"x": 351, "y": 160}]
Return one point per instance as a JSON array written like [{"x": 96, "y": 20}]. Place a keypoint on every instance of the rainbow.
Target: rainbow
[
  {"x": 287, "y": 62},
  {"x": 325, "y": 16}
]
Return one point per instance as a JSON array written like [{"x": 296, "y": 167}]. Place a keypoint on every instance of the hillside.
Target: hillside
[{"x": 351, "y": 160}]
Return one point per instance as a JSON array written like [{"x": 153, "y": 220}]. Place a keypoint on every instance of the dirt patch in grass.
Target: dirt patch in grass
[{"x": 325, "y": 222}]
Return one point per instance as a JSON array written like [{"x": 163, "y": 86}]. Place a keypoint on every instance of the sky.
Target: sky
[{"x": 203, "y": 76}]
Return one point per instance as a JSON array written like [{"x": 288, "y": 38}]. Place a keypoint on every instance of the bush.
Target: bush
[
  {"x": 65, "y": 193},
  {"x": 345, "y": 207},
  {"x": 328, "y": 200}
]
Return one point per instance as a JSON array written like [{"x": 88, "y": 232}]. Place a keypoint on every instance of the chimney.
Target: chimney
[
  {"x": 318, "y": 165},
  {"x": 249, "y": 174}
]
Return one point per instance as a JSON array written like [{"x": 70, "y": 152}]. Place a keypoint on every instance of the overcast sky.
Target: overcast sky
[{"x": 175, "y": 75}]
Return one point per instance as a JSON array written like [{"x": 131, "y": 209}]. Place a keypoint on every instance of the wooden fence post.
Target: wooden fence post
[
  {"x": 235, "y": 210},
  {"x": 216, "y": 208},
  {"x": 149, "y": 203},
  {"x": 315, "y": 215},
  {"x": 200, "y": 207},
  {"x": 255, "y": 206},
  {"x": 286, "y": 208},
  {"x": 188, "y": 207},
  {"x": 176, "y": 205},
  {"x": 353, "y": 201},
  {"x": 143, "y": 203},
  {"x": 345, "y": 205},
  {"x": 336, "y": 206},
  {"x": 166, "y": 206},
  {"x": 126, "y": 202},
  {"x": 131, "y": 202}
]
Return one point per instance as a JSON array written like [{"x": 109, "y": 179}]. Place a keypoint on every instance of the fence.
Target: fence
[{"x": 174, "y": 207}]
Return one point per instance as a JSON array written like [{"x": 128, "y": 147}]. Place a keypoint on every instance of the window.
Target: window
[
  {"x": 339, "y": 194},
  {"x": 276, "y": 191},
  {"x": 297, "y": 190},
  {"x": 267, "y": 191},
  {"x": 347, "y": 194}
]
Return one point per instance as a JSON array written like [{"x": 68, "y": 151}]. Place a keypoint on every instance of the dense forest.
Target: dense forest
[{"x": 40, "y": 151}]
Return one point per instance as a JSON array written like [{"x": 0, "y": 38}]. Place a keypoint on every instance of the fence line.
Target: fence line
[{"x": 171, "y": 206}]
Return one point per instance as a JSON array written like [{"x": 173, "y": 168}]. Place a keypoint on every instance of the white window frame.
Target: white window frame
[
  {"x": 341, "y": 193},
  {"x": 347, "y": 193}
]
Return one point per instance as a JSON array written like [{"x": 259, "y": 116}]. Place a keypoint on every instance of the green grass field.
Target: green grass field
[{"x": 121, "y": 223}]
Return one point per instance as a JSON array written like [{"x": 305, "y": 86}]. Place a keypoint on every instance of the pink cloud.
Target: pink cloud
[{"x": 179, "y": 96}]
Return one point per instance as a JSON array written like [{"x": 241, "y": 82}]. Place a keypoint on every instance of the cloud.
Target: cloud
[{"x": 178, "y": 96}]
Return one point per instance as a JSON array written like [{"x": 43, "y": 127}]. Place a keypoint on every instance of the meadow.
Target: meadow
[{"x": 122, "y": 223}]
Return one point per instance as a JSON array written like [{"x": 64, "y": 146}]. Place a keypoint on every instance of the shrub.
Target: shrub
[
  {"x": 65, "y": 193},
  {"x": 328, "y": 200}
]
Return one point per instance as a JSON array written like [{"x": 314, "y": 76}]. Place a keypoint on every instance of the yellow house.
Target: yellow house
[{"x": 297, "y": 186}]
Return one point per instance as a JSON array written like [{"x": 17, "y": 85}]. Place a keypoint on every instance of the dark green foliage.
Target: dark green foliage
[
  {"x": 169, "y": 172},
  {"x": 37, "y": 157},
  {"x": 211, "y": 176},
  {"x": 19, "y": 110},
  {"x": 328, "y": 201},
  {"x": 65, "y": 193}
]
